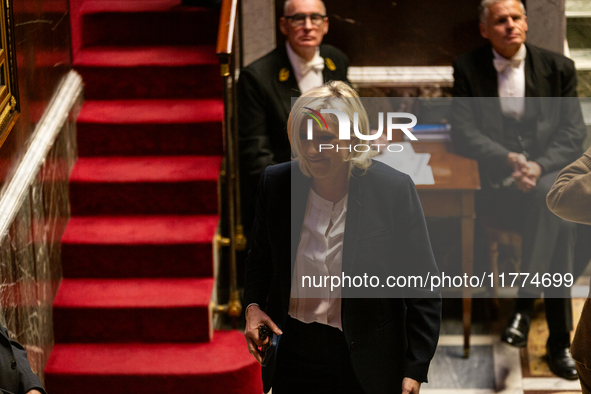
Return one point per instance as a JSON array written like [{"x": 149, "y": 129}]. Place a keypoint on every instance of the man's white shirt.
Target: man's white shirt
[
  {"x": 307, "y": 74},
  {"x": 511, "y": 82}
]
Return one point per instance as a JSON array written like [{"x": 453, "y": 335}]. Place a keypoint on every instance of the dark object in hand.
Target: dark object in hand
[
  {"x": 267, "y": 350},
  {"x": 264, "y": 332}
]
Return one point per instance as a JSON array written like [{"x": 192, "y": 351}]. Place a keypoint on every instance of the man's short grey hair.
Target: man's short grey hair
[
  {"x": 286, "y": 5},
  {"x": 486, "y": 4}
]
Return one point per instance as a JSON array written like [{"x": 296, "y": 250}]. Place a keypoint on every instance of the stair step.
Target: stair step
[
  {"x": 172, "y": 56},
  {"x": 140, "y": 24},
  {"x": 133, "y": 310},
  {"x": 220, "y": 366},
  {"x": 150, "y": 127},
  {"x": 149, "y": 72},
  {"x": 168, "y": 185},
  {"x": 139, "y": 246}
]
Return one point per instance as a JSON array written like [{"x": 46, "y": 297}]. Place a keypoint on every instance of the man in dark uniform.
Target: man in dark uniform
[
  {"x": 15, "y": 372},
  {"x": 266, "y": 87},
  {"x": 521, "y": 144}
]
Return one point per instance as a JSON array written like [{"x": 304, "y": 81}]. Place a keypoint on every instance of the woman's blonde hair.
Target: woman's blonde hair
[{"x": 332, "y": 95}]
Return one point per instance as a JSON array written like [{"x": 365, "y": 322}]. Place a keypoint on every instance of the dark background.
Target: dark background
[{"x": 400, "y": 33}]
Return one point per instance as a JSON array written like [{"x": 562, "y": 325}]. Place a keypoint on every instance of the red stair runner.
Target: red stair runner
[
  {"x": 144, "y": 185},
  {"x": 138, "y": 246},
  {"x": 150, "y": 127},
  {"x": 133, "y": 311},
  {"x": 210, "y": 367},
  {"x": 148, "y": 72}
]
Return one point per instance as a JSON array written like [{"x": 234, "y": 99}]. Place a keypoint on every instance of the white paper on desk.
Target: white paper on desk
[
  {"x": 409, "y": 162},
  {"x": 425, "y": 177}
]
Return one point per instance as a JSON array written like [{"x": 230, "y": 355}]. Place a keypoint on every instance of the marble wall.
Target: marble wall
[
  {"x": 30, "y": 268},
  {"x": 30, "y": 265}
]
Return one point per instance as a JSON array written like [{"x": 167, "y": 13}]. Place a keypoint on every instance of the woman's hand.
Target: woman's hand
[
  {"x": 410, "y": 386},
  {"x": 256, "y": 318}
]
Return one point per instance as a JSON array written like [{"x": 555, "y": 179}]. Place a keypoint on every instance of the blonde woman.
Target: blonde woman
[{"x": 333, "y": 212}]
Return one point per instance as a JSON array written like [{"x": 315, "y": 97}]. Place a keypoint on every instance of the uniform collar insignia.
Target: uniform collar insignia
[
  {"x": 283, "y": 74},
  {"x": 330, "y": 64}
]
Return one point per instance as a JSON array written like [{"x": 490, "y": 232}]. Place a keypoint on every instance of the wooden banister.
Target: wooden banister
[{"x": 227, "y": 24}]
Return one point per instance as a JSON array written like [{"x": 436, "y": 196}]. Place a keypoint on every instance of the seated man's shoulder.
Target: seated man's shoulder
[
  {"x": 328, "y": 50},
  {"x": 473, "y": 57},
  {"x": 553, "y": 59},
  {"x": 336, "y": 55},
  {"x": 276, "y": 58}
]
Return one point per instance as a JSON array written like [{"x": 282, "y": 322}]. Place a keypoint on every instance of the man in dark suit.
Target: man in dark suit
[
  {"x": 266, "y": 87},
  {"x": 15, "y": 372},
  {"x": 521, "y": 145}
]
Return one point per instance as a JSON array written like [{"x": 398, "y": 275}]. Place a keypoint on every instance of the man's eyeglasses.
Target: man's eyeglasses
[{"x": 299, "y": 20}]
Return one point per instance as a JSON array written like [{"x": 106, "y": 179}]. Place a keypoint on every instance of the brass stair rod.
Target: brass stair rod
[
  {"x": 234, "y": 307},
  {"x": 240, "y": 238},
  {"x": 227, "y": 49}
]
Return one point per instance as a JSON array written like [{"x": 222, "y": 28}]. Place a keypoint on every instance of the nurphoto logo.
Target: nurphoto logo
[{"x": 345, "y": 127}]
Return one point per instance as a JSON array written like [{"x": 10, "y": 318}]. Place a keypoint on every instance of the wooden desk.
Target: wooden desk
[{"x": 452, "y": 195}]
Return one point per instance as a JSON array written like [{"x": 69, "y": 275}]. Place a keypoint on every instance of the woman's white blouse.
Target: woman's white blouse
[{"x": 319, "y": 255}]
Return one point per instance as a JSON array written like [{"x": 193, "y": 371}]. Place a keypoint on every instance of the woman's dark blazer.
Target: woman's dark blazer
[
  {"x": 15, "y": 371},
  {"x": 389, "y": 337}
]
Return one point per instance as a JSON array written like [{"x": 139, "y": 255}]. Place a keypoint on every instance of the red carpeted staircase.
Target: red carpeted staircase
[{"x": 132, "y": 314}]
